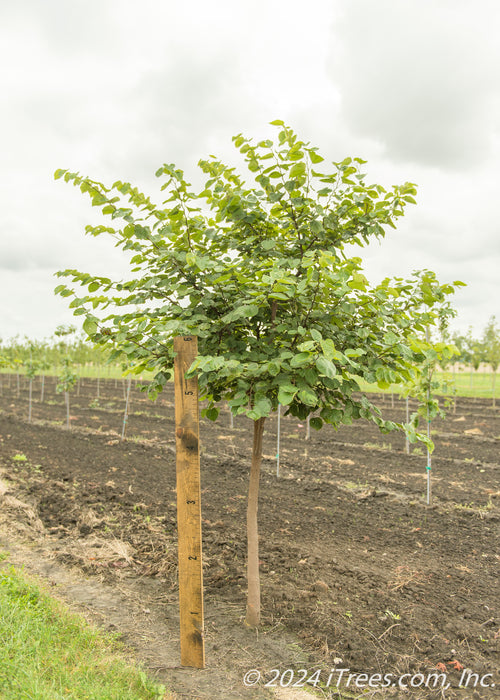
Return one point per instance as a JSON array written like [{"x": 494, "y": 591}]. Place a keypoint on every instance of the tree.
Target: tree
[
  {"x": 66, "y": 384},
  {"x": 63, "y": 334},
  {"x": 464, "y": 356},
  {"x": 425, "y": 383},
  {"x": 31, "y": 369},
  {"x": 447, "y": 354},
  {"x": 491, "y": 346},
  {"x": 5, "y": 363},
  {"x": 262, "y": 276},
  {"x": 475, "y": 350}
]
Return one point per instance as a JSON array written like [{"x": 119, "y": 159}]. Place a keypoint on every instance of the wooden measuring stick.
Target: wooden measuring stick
[{"x": 188, "y": 504}]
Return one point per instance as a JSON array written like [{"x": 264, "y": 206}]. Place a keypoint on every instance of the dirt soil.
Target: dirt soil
[{"x": 357, "y": 571}]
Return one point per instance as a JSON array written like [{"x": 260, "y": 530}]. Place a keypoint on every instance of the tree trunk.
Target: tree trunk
[{"x": 253, "y": 597}]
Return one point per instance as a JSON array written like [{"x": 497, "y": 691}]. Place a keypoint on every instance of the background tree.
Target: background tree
[
  {"x": 475, "y": 352},
  {"x": 5, "y": 363},
  {"x": 491, "y": 349},
  {"x": 31, "y": 369},
  {"x": 17, "y": 354},
  {"x": 64, "y": 337},
  {"x": 447, "y": 355},
  {"x": 262, "y": 276},
  {"x": 66, "y": 384},
  {"x": 426, "y": 384},
  {"x": 461, "y": 343}
]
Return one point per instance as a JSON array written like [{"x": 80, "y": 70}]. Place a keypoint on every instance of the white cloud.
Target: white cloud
[
  {"x": 422, "y": 78},
  {"x": 114, "y": 91}
]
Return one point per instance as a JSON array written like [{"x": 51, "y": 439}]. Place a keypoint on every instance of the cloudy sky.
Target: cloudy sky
[{"x": 115, "y": 88}]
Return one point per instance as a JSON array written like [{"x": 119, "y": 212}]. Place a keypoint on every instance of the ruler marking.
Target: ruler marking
[{"x": 188, "y": 505}]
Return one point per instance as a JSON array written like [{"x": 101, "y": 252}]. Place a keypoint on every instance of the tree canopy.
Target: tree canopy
[{"x": 261, "y": 275}]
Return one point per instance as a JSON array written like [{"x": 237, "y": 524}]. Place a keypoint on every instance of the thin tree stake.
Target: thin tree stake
[
  {"x": 278, "y": 442},
  {"x": 66, "y": 396},
  {"x": 428, "y": 468},
  {"x": 125, "y": 416},
  {"x": 407, "y": 420}
]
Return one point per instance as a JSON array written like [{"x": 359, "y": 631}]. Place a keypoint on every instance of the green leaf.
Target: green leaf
[
  {"x": 286, "y": 395},
  {"x": 328, "y": 347},
  {"x": 358, "y": 281},
  {"x": 308, "y": 396},
  {"x": 297, "y": 170},
  {"x": 316, "y": 422},
  {"x": 303, "y": 358},
  {"x": 307, "y": 346},
  {"x": 244, "y": 311},
  {"x": 273, "y": 368},
  {"x": 325, "y": 367},
  {"x": 333, "y": 416},
  {"x": 316, "y": 227},
  {"x": 357, "y": 352},
  {"x": 211, "y": 413},
  {"x": 263, "y": 406},
  {"x": 90, "y": 326},
  {"x": 390, "y": 338},
  {"x": 315, "y": 157},
  {"x": 98, "y": 199}
]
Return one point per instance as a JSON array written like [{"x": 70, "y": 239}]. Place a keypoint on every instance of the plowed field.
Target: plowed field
[{"x": 357, "y": 571}]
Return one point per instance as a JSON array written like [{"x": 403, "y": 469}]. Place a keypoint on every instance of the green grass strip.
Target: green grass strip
[
  {"x": 49, "y": 653},
  {"x": 480, "y": 385}
]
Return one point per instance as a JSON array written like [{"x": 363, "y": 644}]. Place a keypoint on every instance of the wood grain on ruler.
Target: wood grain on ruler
[{"x": 188, "y": 505}]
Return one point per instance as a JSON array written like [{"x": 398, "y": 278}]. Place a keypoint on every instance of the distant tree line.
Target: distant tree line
[
  {"x": 65, "y": 345},
  {"x": 473, "y": 351}
]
